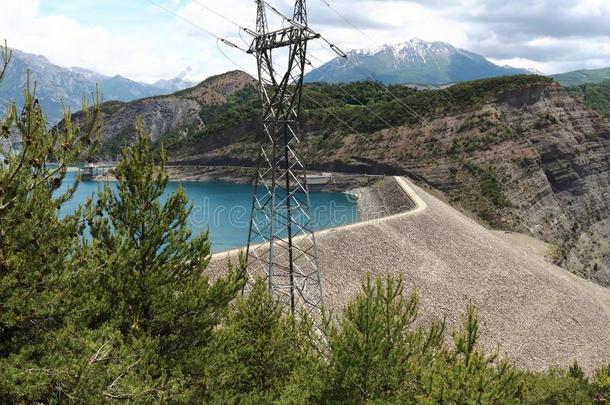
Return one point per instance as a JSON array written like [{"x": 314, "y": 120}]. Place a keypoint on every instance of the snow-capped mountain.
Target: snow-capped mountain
[
  {"x": 55, "y": 84},
  {"x": 415, "y": 61}
]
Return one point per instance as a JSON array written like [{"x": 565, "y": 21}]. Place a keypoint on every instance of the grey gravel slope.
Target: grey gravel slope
[{"x": 536, "y": 313}]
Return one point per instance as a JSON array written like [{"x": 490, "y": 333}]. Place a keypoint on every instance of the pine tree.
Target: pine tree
[
  {"x": 262, "y": 356},
  {"x": 464, "y": 373},
  {"x": 36, "y": 245},
  {"x": 379, "y": 356},
  {"x": 375, "y": 350},
  {"x": 144, "y": 277}
]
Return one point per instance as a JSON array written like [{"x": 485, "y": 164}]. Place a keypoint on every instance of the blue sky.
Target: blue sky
[
  {"x": 111, "y": 14},
  {"x": 139, "y": 40}
]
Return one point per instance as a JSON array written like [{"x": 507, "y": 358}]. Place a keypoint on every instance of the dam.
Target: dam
[{"x": 531, "y": 310}]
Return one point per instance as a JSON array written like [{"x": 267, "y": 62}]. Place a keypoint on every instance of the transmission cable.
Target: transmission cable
[
  {"x": 441, "y": 91},
  {"x": 315, "y": 101},
  {"x": 408, "y": 109},
  {"x": 199, "y": 27}
]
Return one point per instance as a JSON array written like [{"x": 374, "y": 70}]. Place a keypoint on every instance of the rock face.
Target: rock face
[
  {"x": 553, "y": 171},
  {"x": 178, "y": 114},
  {"x": 414, "y": 61},
  {"x": 161, "y": 115},
  {"x": 527, "y": 158}
]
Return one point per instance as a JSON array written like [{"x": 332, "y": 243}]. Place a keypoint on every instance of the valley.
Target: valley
[{"x": 265, "y": 202}]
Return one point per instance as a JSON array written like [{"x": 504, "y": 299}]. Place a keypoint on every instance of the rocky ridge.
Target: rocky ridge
[{"x": 178, "y": 114}]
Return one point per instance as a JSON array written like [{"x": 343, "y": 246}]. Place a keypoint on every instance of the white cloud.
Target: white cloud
[
  {"x": 135, "y": 52},
  {"x": 549, "y": 35}
]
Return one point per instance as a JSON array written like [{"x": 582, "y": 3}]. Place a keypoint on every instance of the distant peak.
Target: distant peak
[
  {"x": 415, "y": 44},
  {"x": 23, "y": 54},
  {"x": 412, "y": 61}
]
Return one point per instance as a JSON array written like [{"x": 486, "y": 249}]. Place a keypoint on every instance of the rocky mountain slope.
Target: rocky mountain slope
[
  {"x": 520, "y": 152},
  {"x": 414, "y": 61},
  {"x": 174, "y": 117},
  {"x": 55, "y": 84},
  {"x": 580, "y": 77}
]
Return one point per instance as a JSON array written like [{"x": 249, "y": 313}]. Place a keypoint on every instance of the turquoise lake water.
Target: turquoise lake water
[{"x": 224, "y": 209}]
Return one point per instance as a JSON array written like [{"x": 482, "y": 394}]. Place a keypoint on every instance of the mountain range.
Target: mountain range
[
  {"x": 56, "y": 85},
  {"x": 415, "y": 61}
]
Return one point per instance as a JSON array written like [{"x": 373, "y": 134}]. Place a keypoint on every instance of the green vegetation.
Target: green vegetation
[
  {"x": 347, "y": 102},
  {"x": 581, "y": 77},
  {"x": 387, "y": 110},
  {"x": 492, "y": 188},
  {"x": 129, "y": 315},
  {"x": 596, "y": 96}
]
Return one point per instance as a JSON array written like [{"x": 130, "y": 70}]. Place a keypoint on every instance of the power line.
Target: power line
[
  {"x": 344, "y": 55},
  {"x": 199, "y": 27},
  {"x": 344, "y": 18},
  {"x": 241, "y": 27},
  {"x": 310, "y": 98},
  {"x": 216, "y": 13},
  {"x": 332, "y": 46},
  {"x": 369, "y": 75}
]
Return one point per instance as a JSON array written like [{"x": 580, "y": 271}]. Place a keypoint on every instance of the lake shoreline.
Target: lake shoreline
[
  {"x": 339, "y": 182},
  {"x": 375, "y": 196}
]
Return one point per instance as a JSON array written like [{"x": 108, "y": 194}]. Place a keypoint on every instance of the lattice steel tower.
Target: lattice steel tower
[{"x": 281, "y": 241}]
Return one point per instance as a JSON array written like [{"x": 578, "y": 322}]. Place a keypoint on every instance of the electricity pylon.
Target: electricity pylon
[{"x": 281, "y": 241}]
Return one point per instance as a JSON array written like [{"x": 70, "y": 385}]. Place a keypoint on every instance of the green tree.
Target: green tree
[
  {"x": 556, "y": 387},
  {"x": 143, "y": 276},
  {"x": 261, "y": 356},
  {"x": 375, "y": 349},
  {"x": 37, "y": 247},
  {"x": 379, "y": 356},
  {"x": 466, "y": 374}
]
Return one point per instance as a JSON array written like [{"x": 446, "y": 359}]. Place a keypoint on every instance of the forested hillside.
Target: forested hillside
[
  {"x": 596, "y": 96},
  {"x": 580, "y": 77}
]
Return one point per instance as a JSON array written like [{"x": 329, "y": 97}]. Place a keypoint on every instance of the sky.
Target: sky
[{"x": 147, "y": 40}]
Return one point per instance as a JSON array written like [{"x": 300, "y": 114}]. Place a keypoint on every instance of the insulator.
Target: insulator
[
  {"x": 338, "y": 51},
  {"x": 249, "y": 31},
  {"x": 229, "y": 43}
]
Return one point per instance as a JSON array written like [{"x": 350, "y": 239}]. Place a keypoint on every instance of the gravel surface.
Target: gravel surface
[
  {"x": 381, "y": 199},
  {"x": 534, "y": 312}
]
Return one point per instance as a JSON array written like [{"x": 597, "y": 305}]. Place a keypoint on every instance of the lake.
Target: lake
[{"x": 224, "y": 209}]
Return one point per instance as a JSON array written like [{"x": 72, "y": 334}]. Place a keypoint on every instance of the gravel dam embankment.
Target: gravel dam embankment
[{"x": 534, "y": 312}]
